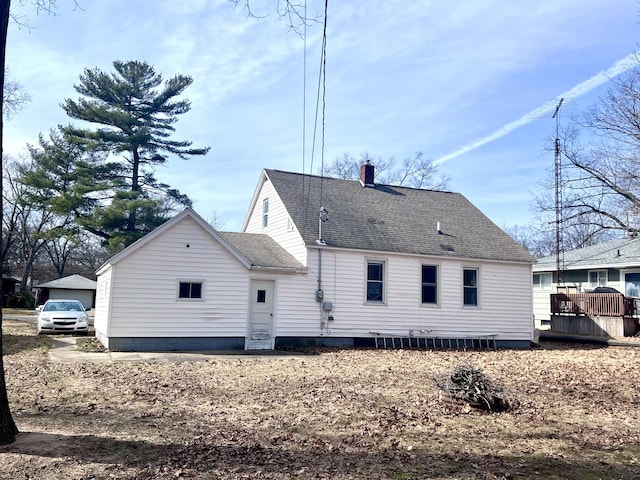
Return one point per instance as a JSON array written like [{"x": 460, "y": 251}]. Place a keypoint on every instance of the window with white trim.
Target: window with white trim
[
  {"x": 542, "y": 281},
  {"x": 265, "y": 213},
  {"x": 598, "y": 278},
  {"x": 375, "y": 282},
  {"x": 190, "y": 290},
  {"x": 470, "y": 286},
  {"x": 430, "y": 284}
]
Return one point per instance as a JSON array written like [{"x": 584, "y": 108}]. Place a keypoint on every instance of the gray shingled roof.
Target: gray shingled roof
[
  {"x": 72, "y": 282},
  {"x": 392, "y": 219},
  {"x": 621, "y": 252},
  {"x": 261, "y": 250}
]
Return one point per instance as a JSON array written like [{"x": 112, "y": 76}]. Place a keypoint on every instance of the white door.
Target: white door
[{"x": 260, "y": 334}]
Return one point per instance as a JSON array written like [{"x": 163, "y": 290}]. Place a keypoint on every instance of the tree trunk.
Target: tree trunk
[
  {"x": 135, "y": 188},
  {"x": 8, "y": 429}
]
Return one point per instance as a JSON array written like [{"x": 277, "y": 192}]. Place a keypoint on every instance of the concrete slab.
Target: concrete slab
[{"x": 65, "y": 350}]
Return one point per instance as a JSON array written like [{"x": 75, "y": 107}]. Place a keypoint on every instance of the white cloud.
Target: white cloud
[{"x": 580, "y": 89}]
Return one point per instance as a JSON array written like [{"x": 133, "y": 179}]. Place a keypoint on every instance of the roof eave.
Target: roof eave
[{"x": 316, "y": 246}]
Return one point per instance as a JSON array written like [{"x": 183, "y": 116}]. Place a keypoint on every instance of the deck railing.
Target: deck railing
[{"x": 603, "y": 304}]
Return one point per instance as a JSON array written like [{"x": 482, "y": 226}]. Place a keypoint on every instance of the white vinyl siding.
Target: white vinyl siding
[
  {"x": 137, "y": 294},
  {"x": 279, "y": 227},
  {"x": 506, "y": 299},
  {"x": 144, "y": 299},
  {"x": 103, "y": 302}
]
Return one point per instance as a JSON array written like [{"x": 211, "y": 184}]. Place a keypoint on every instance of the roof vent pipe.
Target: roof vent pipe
[{"x": 438, "y": 228}]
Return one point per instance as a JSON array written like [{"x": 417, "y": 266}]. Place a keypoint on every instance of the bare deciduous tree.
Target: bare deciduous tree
[
  {"x": 15, "y": 98},
  {"x": 601, "y": 161},
  {"x": 295, "y": 13},
  {"x": 415, "y": 172}
]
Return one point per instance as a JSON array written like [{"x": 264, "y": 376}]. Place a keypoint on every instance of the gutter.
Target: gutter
[{"x": 279, "y": 269}]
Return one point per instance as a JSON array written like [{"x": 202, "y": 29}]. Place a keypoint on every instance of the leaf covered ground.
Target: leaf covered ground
[{"x": 336, "y": 414}]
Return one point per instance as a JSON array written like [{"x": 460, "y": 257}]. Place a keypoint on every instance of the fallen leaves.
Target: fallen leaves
[{"x": 342, "y": 414}]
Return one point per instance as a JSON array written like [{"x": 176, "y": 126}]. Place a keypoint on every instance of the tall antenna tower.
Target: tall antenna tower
[{"x": 558, "y": 198}]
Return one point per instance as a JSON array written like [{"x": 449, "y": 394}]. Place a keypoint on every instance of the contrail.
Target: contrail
[{"x": 598, "y": 79}]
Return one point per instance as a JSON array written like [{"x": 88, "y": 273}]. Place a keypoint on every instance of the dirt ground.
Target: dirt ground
[{"x": 337, "y": 414}]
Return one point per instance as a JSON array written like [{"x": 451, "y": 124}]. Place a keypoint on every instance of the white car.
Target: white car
[{"x": 63, "y": 316}]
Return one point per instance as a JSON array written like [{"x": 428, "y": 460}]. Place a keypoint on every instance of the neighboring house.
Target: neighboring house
[
  {"x": 615, "y": 264},
  {"x": 319, "y": 261},
  {"x": 73, "y": 287}
]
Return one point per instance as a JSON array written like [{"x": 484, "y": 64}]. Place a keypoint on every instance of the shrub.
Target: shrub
[{"x": 21, "y": 300}]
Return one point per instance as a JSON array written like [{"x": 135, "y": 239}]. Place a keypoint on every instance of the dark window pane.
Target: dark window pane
[
  {"x": 429, "y": 274},
  {"x": 184, "y": 290},
  {"x": 374, "y": 271},
  {"x": 429, "y": 294},
  {"x": 262, "y": 296},
  {"x": 374, "y": 292},
  {"x": 470, "y": 278},
  {"x": 470, "y": 296},
  {"x": 196, "y": 290}
]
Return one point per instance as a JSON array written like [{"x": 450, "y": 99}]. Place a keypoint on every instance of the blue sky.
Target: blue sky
[{"x": 457, "y": 81}]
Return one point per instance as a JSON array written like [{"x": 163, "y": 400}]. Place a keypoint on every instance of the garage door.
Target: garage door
[{"x": 85, "y": 296}]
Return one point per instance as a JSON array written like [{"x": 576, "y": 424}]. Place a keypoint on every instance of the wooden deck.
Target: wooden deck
[
  {"x": 599, "y": 314},
  {"x": 601, "y": 304}
]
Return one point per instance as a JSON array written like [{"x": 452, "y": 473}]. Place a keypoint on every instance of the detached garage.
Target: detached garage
[{"x": 73, "y": 287}]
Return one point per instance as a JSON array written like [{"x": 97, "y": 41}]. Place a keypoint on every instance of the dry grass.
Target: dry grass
[{"x": 338, "y": 415}]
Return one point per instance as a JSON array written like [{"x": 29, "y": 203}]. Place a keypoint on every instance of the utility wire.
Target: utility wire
[{"x": 321, "y": 87}]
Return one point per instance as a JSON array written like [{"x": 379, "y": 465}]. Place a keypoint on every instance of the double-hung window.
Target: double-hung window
[
  {"x": 429, "y": 284},
  {"x": 470, "y": 286},
  {"x": 375, "y": 282},
  {"x": 189, "y": 290},
  {"x": 597, "y": 278}
]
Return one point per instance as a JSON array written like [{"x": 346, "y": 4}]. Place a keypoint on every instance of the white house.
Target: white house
[{"x": 320, "y": 261}]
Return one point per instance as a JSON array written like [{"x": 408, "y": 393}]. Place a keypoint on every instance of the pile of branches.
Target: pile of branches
[{"x": 468, "y": 385}]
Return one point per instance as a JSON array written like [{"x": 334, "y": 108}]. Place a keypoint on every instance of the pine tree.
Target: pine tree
[{"x": 135, "y": 112}]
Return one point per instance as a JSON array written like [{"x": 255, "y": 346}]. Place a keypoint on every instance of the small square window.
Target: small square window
[
  {"x": 190, "y": 290},
  {"x": 262, "y": 296}
]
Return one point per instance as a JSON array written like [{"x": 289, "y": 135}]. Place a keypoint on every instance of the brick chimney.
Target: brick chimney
[{"x": 367, "y": 172}]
